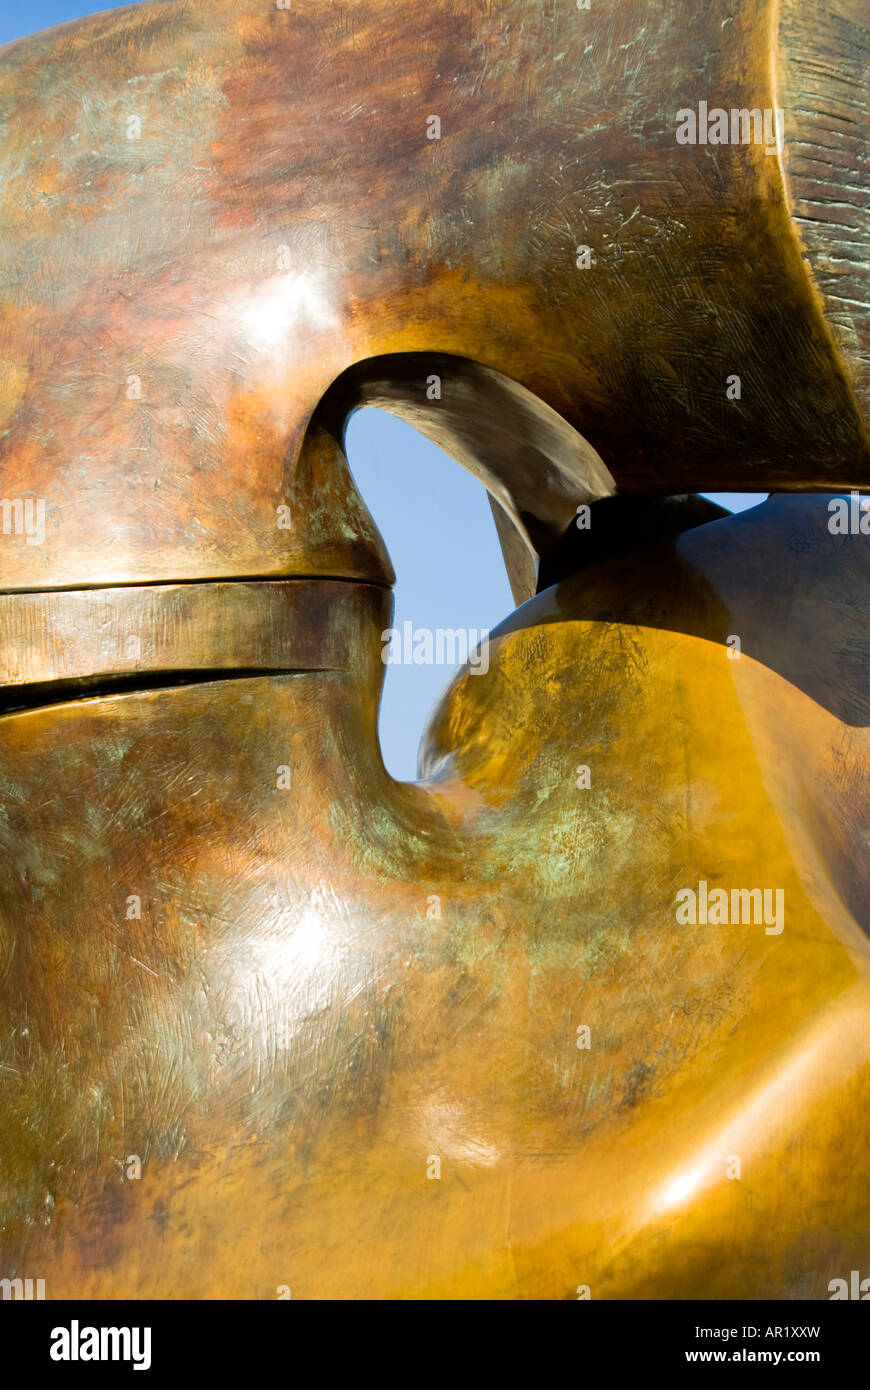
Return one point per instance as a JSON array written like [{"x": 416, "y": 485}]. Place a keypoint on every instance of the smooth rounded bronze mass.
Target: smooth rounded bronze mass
[{"x": 212, "y": 211}]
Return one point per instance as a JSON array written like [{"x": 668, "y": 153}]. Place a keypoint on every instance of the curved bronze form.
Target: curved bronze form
[{"x": 270, "y": 1019}]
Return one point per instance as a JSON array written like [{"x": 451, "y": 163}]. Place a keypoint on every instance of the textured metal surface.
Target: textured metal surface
[
  {"x": 282, "y": 216},
  {"x": 270, "y": 1019},
  {"x": 288, "y": 1035}
]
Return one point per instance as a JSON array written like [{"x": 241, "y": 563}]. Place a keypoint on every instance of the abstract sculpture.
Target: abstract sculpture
[{"x": 587, "y": 1008}]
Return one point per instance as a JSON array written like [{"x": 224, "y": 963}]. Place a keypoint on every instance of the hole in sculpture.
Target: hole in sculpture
[
  {"x": 736, "y": 501},
  {"x": 451, "y": 581}
]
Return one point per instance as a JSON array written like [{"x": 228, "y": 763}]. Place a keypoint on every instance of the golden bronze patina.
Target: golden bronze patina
[{"x": 269, "y": 1019}]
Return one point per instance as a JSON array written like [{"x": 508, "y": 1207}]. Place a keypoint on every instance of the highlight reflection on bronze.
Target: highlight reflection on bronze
[
  {"x": 447, "y": 1038},
  {"x": 282, "y": 218}
]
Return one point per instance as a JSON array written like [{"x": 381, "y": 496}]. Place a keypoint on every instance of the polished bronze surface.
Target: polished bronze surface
[
  {"x": 278, "y": 216},
  {"x": 332, "y": 984},
  {"x": 269, "y": 1019}
]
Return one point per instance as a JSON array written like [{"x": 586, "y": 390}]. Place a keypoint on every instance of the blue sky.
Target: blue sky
[{"x": 434, "y": 517}]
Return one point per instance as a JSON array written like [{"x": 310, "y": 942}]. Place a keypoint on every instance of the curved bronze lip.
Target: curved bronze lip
[
  {"x": 121, "y": 632},
  {"x": 216, "y": 579}
]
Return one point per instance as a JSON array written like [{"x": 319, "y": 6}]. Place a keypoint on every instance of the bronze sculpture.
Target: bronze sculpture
[{"x": 264, "y": 1010}]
